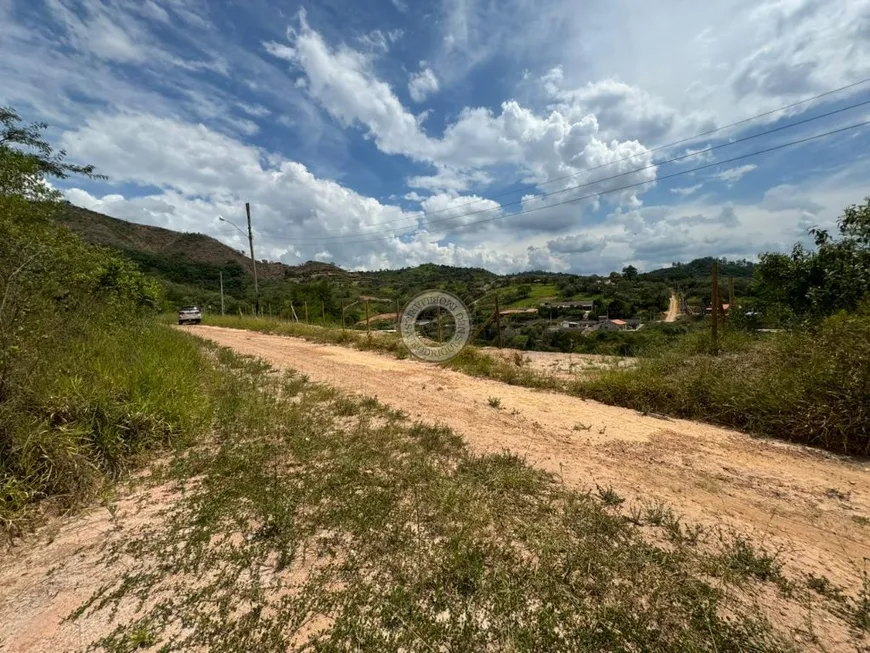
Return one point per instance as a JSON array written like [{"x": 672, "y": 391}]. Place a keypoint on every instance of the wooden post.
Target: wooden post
[
  {"x": 440, "y": 332},
  {"x": 222, "y": 292},
  {"x": 342, "y": 316},
  {"x": 293, "y": 311},
  {"x": 253, "y": 260},
  {"x": 322, "y": 313},
  {"x": 398, "y": 317},
  {"x": 306, "y": 312},
  {"x": 498, "y": 321},
  {"x": 715, "y": 305},
  {"x": 367, "y": 319},
  {"x": 730, "y": 293}
]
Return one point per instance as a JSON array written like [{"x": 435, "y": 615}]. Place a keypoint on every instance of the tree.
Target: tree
[
  {"x": 629, "y": 272},
  {"x": 26, "y": 158},
  {"x": 815, "y": 283}
]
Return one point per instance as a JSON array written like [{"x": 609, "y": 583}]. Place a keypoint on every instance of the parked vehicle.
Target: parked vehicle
[{"x": 190, "y": 315}]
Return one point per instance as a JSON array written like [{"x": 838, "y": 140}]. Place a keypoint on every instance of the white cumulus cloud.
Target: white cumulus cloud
[
  {"x": 422, "y": 84},
  {"x": 732, "y": 175}
]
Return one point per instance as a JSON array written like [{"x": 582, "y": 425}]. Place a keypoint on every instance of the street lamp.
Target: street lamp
[
  {"x": 231, "y": 223},
  {"x": 251, "y": 243}
]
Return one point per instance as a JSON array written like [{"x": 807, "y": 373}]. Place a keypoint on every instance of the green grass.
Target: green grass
[
  {"x": 98, "y": 403},
  {"x": 806, "y": 386},
  {"x": 317, "y": 509},
  {"x": 540, "y": 292}
]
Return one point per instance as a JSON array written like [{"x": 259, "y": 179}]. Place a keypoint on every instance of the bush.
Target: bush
[{"x": 810, "y": 386}]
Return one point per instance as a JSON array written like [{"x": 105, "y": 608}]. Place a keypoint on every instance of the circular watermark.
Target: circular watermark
[{"x": 429, "y": 349}]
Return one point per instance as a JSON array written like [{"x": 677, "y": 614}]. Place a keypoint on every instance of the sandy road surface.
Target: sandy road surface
[
  {"x": 673, "y": 309},
  {"x": 565, "y": 366},
  {"x": 810, "y": 504}
]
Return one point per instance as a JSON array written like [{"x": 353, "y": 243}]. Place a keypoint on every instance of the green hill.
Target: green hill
[
  {"x": 702, "y": 268},
  {"x": 159, "y": 249},
  {"x": 190, "y": 265}
]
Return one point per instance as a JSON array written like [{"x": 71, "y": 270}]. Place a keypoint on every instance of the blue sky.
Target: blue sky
[{"x": 373, "y": 134}]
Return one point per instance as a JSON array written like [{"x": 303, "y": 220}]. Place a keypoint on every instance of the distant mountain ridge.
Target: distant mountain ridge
[
  {"x": 148, "y": 244},
  {"x": 157, "y": 249}
]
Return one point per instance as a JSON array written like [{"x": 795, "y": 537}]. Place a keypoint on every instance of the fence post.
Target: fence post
[
  {"x": 306, "y": 312},
  {"x": 498, "y": 321},
  {"x": 715, "y": 306}
]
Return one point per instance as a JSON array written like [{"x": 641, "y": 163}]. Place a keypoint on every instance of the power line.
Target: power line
[
  {"x": 622, "y": 160},
  {"x": 344, "y": 237},
  {"x": 688, "y": 139},
  {"x": 651, "y": 181}
]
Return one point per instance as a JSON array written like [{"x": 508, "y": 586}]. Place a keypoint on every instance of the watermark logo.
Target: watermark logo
[{"x": 455, "y": 322}]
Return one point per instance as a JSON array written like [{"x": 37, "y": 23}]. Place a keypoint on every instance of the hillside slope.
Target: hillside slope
[{"x": 161, "y": 243}]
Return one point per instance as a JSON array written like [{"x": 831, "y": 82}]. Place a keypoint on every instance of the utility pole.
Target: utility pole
[
  {"x": 222, "y": 292},
  {"x": 322, "y": 313},
  {"x": 730, "y": 293},
  {"x": 498, "y": 321},
  {"x": 398, "y": 317},
  {"x": 367, "y": 319},
  {"x": 306, "y": 311},
  {"x": 253, "y": 260},
  {"x": 714, "y": 324}
]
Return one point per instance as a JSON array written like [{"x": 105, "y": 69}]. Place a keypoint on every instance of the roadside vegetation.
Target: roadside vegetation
[
  {"x": 88, "y": 381},
  {"x": 809, "y": 385}
]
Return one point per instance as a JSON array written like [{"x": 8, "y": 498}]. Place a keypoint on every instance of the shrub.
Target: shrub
[{"x": 810, "y": 386}]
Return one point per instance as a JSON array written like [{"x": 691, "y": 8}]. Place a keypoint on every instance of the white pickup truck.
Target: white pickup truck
[{"x": 190, "y": 315}]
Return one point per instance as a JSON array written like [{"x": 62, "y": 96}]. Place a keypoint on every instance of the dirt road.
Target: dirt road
[
  {"x": 673, "y": 309},
  {"x": 811, "y": 505}
]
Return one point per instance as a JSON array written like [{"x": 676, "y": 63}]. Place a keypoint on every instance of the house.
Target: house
[{"x": 612, "y": 325}]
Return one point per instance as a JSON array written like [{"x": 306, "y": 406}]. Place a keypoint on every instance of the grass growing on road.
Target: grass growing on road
[{"x": 322, "y": 522}]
